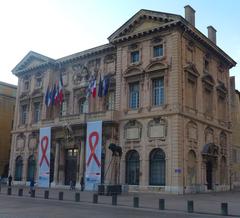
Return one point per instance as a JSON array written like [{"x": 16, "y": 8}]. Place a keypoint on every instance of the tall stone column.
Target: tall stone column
[
  {"x": 61, "y": 165},
  {"x": 25, "y": 166},
  {"x": 56, "y": 165},
  {"x": 81, "y": 163},
  {"x": 12, "y": 156},
  {"x": 204, "y": 178},
  {"x": 82, "y": 159}
]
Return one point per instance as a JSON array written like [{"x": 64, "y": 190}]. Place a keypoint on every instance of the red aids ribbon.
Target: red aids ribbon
[
  {"x": 93, "y": 148},
  {"x": 44, "y": 147}
]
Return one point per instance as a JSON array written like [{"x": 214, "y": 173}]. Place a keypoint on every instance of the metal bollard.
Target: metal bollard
[
  {"x": 60, "y": 196},
  {"x": 77, "y": 197},
  {"x": 20, "y": 192},
  {"x": 9, "y": 191},
  {"x": 224, "y": 209},
  {"x": 161, "y": 204},
  {"x": 190, "y": 206},
  {"x": 33, "y": 193},
  {"x": 95, "y": 198},
  {"x": 135, "y": 201},
  {"x": 114, "y": 199},
  {"x": 46, "y": 194}
]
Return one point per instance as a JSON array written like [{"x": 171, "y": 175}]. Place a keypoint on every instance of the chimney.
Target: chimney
[
  {"x": 212, "y": 34},
  {"x": 190, "y": 14}
]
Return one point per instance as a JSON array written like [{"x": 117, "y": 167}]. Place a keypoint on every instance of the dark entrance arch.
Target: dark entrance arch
[
  {"x": 18, "y": 168},
  {"x": 31, "y": 168},
  {"x": 71, "y": 165},
  {"x": 157, "y": 167},
  {"x": 52, "y": 160},
  {"x": 132, "y": 167},
  {"x": 209, "y": 169},
  {"x": 210, "y": 155}
]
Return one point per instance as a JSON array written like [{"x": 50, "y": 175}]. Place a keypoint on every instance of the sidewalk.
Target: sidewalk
[{"x": 209, "y": 203}]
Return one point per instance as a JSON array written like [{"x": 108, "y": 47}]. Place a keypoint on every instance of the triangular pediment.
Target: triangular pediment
[
  {"x": 31, "y": 60},
  {"x": 142, "y": 21},
  {"x": 191, "y": 68}
]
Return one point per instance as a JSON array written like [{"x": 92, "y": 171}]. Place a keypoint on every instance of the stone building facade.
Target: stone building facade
[
  {"x": 7, "y": 107},
  {"x": 235, "y": 109},
  {"x": 167, "y": 107}
]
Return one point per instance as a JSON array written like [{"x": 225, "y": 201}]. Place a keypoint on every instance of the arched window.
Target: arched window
[
  {"x": 157, "y": 167},
  {"x": 31, "y": 168},
  {"x": 192, "y": 168},
  {"x": 132, "y": 168},
  {"x": 83, "y": 105},
  {"x": 18, "y": 168}
]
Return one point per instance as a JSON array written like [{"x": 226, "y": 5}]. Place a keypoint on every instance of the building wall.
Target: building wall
[
  {"x": 7, "y": 106},
  {"x": 235, "y": 108},
  {"x": 196, "y": 145}
]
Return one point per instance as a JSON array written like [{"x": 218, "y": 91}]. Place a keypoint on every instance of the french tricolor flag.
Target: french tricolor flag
[{"x": 94, "y": 89}]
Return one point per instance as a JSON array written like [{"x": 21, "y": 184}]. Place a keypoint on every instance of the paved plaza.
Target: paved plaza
[{"x": 205, "y": 205}]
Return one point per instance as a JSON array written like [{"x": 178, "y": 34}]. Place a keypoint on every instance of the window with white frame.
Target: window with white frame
[
  {"x": 26, "y": 85},
  {"x": 36, "y": 112},
  {"x": 208, "y": 102},
  {"x": 135, "y": 57},
  {"x": 38, "y": 83},
  {"x": 83, "y": 105},
  {"x": 134, "y": 95},
  {"x": 158, "y": 91},
  {"x": 158, "y": 51},
  {"x": 63, "y": 109},
  {"x": 111, "y": 101},
  {"x": 24, "y": 114}
]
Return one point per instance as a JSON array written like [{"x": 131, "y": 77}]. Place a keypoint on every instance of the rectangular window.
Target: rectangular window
[
  {"x": 38, "y": 82},
  {"x": 83, "y": 106},
  {"x": 134, "y": 56},
  {"x": 221, "y": 108},
  {"x": 158, "y": 51},
  {"x": 134, "y": 95},
  {"x": 191, "y": 92},
  {"x": 208, "y": 100},
  {"x": 111, "y": 101},
  {"x": 158, "y": 91},
  {"x": 26, "y": 86},
  {"x": 206, "y": 65},
  {"x": 37, "y": 110},
  {"x": 63, "y": 110},
  {"x": 24, "y": 114}
]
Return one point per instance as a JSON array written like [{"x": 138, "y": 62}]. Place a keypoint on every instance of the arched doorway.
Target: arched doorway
[
  {"x": 132, "y": 168},
  {"x": 210, "y": 156},
  {"x": 71, "y": 165},
  {"x": 209, "y": 174},
  {"x": 157, "y": 167},
  {"x": 18, "y": 168},
  {"x": 31, "y": 168}
]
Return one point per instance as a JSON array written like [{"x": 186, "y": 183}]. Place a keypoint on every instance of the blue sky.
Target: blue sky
[{"x": 58, "y": 28}]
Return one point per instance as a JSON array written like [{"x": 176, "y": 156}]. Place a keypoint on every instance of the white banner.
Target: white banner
[
  {"x": 93, "y": 155},
  {"x": 44, "y": 148}
]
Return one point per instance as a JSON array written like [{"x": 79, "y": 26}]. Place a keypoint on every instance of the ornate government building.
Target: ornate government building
[{"x": 167, "y": 106}]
